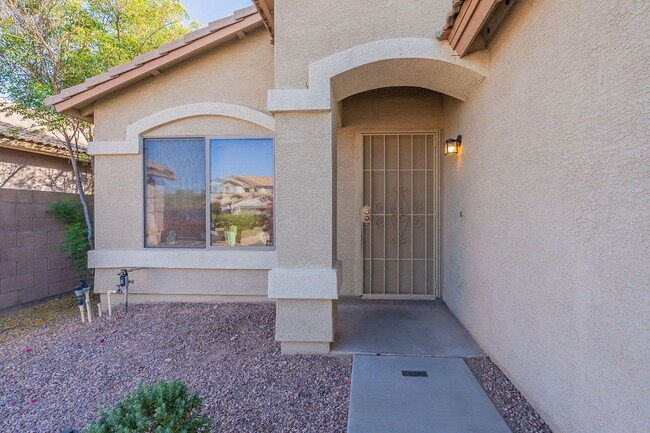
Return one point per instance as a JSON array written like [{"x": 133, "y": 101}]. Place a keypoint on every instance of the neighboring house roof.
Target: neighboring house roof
[
  {"x": 77, "y": 101},
  {"x": 264, "y": 181},
  {"x": 256, "y": 180},
  {"x": 21, "y": 138}
]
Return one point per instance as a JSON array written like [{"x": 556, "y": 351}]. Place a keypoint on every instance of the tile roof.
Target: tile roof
[
  {"x": 19, "y": 137},
  {"x": 256, "y": 180},
  {"x": 216, "y": 32}
]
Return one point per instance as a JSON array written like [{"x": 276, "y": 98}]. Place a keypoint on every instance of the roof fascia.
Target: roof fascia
[
  {"x": 471, "y": 19},
  {"x": 267, "y": 16}
]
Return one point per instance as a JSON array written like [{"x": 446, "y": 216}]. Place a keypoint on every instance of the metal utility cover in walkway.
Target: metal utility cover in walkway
[{"x": 448, "y": 399}]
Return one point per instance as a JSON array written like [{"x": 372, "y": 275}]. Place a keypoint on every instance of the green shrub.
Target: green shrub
[
  {"x": 164, "y": 407},
  {"x": 242, "y": 221},
  {"x": 76, "y": 232}
]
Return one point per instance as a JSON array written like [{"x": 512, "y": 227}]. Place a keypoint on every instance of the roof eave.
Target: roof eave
[
  {"x": 472, "y": 22},
  {"x": 79, "y": 102},
  {"x": 266, "y": 13}
]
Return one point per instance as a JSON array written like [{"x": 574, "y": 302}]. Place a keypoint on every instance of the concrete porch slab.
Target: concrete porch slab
[
  {"x": 448, "y": 400},
  {"x": 401, "y": 328}
]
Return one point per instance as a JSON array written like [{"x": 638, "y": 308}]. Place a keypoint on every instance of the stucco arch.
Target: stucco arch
[
  {"x": 418, "y": 62},
  {"x": 132, "y": 145}
]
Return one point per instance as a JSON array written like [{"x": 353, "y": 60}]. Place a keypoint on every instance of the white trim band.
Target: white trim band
[
  {"x": 133, "y": 146},
  {"x": 182, "y": 259}
]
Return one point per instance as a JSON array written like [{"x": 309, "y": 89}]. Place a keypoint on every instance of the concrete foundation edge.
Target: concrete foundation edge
[
  {"x": 304, "y": 347},
  {"x": 148, "y": 298}
]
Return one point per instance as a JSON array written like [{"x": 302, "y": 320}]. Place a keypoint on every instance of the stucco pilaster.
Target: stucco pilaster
[
  {"x": 305, "y": 190},
  {"x": 305, "y": 284}
]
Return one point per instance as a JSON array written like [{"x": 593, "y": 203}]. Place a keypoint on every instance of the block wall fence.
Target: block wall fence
[{"x": 32, "y": 263}]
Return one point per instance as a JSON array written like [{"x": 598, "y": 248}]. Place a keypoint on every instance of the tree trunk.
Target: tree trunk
[{"x": 80, "y": 189}]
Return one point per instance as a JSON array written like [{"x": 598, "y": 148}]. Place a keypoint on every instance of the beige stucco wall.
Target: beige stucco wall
[
  {"x": 220, "y": 284},
  {"x": 549, "y": 267},
  {"x": 239, "y": 73},
  {"x": 383, "y": 110},
  {"x": 305, "y": 34}
]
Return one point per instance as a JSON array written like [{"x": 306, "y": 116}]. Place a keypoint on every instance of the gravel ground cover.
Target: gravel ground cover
[
  {"x": 55, "y": 371},
  {"x": 516, "y": 411}
]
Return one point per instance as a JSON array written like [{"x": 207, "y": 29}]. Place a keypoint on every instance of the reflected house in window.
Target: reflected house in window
[
  {"x": 242, "y": 204},
  {"x": 155, "y": 197},
  {"x": 246, "y": 194}
]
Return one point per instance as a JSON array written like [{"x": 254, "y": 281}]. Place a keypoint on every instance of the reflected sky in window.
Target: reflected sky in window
[{"x": 242, "y": 157}]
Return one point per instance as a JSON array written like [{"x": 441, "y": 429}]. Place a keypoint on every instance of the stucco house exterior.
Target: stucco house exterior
[{"x": 536, "y": 232}]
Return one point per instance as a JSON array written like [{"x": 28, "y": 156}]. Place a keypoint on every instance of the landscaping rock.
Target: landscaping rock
[
  {"x": 513, "y": 407},
  {"x": 55, "y": 371}
]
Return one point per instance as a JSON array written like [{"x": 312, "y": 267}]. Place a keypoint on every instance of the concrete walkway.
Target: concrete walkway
[
  {"x": 408, "y": 373},
  {"x": 401, "y": 328},
  {"x": 447, "y": 400}
]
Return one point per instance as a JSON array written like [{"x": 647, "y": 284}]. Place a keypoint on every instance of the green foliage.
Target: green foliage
[
  {"x": 164, "y": 407},
  {"x": 242, "y": 221},
  {"x": 76, "y": 233},
  {"x": 49, "y": 45}
]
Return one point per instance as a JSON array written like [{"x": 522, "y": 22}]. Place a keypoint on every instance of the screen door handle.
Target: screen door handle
[{"x": 365, "y": 215}]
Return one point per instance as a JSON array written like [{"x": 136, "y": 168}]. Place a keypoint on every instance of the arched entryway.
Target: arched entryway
[{"x": 309, "y": 276}]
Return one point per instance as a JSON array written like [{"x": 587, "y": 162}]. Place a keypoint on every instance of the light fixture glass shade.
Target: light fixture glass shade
[{"x": 452, "y": 145}]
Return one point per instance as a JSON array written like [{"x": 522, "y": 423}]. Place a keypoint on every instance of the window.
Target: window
[
  {"x": 237, "y": 211},
  {"x": 175, "y": 193}
]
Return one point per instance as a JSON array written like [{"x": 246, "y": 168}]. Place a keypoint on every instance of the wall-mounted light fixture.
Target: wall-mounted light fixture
[{"x": 452, "y": 145}]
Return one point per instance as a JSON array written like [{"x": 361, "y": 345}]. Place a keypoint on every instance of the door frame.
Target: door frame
[{"x": 358, "y": 228}]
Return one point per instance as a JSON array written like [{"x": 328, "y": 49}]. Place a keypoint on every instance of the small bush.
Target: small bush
[
  {"x": 76, "y": 232},
  {"x": 164, "y": 407}
]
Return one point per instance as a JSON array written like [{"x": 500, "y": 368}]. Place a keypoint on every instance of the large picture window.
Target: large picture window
[{"x": 230, "y": 207}]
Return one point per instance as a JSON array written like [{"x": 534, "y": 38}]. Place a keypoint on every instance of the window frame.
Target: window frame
[{"x": 208, "y": 240}]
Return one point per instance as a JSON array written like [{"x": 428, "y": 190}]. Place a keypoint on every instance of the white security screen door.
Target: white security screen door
[{"x": 400, "y": 216}]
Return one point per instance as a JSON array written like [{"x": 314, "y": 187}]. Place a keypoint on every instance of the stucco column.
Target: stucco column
[{"x": 305, "y": 284}]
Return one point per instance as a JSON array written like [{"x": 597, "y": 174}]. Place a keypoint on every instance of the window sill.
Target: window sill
[{"x": 183, "y": 259}]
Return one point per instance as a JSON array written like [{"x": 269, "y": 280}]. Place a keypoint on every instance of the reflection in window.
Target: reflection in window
[
  {"x": 175, "y": 193},
  {"x": 241, "y": 192}
]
